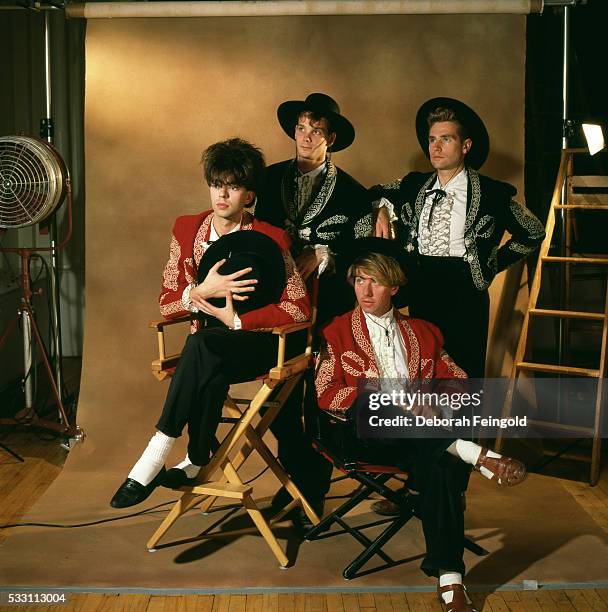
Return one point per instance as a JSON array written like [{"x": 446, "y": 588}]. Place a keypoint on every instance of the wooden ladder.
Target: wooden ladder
[{"x": 569, "y": 185}]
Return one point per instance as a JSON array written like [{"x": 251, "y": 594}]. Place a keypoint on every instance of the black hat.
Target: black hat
[
  {"x": 474, "y": 126},
  {"x": 324, "y": 106},
  {"x": 247, "y": 249},
  {"x": 362, "y": 246}
]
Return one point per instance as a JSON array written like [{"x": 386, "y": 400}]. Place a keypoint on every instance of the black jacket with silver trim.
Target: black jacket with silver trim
[
  {"x": 340, "y": 211},
  {"x": 491, "y": 210}
]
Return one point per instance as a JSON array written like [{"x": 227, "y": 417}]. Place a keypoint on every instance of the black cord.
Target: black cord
[
  {"x": 99, "y": 522},
  {"x": 15, "y": 277},
  {"x": 108, "y": 520},
  {"x": 257, "y": 476}
]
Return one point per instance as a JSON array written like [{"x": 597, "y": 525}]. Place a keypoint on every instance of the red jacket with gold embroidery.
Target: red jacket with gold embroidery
[
  {"x": 349, "y": 357},
  {"x": 189, "y": 233}
]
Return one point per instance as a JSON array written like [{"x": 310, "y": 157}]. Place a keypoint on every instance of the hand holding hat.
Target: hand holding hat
[
  {"x": 248, "y": 265},
  {"x": 217, "y": 285},
  {"x": 224, "y": 314}
]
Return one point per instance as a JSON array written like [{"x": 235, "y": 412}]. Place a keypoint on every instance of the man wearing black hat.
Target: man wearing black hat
[
  {"x": 319, "y": 204},
  {"x": 237, "y": 274},
  {"x": 323, "y": 208},
  {"x": 452, "y": 222},
  {"x": 374, "y": 345}
]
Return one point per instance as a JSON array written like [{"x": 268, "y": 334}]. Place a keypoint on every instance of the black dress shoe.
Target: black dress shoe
[
  {"x": 132, "y": 492},
  {"x": 300, "y": 519},
  {"x": 281, "y": 498},
  {"x": 176, "y": 478}
]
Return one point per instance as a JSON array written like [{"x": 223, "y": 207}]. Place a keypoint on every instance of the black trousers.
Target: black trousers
[
  {"x": 336, "y": 295},
  {"x": 441, "y": 480},
  {"x": 212, "y": 359},
  {"x": 441, "y": 291},
  {"x": 308, "y": 469}
]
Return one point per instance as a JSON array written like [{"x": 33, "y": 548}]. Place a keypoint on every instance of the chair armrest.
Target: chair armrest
[
  {"x": 283, "y": 330},
  {"x": 159, "y": 325},
  {"x": 164, "y": 365},
  {"x": 289, "y": 328}
]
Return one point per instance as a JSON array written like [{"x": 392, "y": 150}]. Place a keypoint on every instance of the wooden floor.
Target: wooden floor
[{"x": 21, "y": 484}]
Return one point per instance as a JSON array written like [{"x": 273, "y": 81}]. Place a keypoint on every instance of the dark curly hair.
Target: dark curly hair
[
  {"x": 316, "y": 117},
  {"x": 234, "y": 162}
]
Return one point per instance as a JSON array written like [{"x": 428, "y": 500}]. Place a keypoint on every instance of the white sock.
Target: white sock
[
  {"x": 188, "y": 467},
  {"x": 469, "y": 452},
  {"x": 447, "y": 578},
  {"x": 152, "y": 459}
]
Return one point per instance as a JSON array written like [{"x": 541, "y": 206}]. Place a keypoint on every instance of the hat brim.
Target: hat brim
[
  {"x": 478, "y": 134},
  {"x": 288, "y": 113},
  {"x": 362, "y": 246},
  {"x": 245, "y": 249}
]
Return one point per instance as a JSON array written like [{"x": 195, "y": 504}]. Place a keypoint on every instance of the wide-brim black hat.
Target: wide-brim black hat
[
  {"x": 474, "y": 126},
  {"x": 247, "y": 249},
  {"x": 363, "y": 246},
  {"x": 324, "y": 106}
]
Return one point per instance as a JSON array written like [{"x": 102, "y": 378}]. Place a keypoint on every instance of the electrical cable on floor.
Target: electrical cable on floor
[
  {"x": 108, "y": 520},
  {"x": 256, "y": 476},
  {"x": 99, "y": 522}
]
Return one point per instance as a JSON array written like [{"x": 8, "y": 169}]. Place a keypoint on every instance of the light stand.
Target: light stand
[{"x": 27, "y": 415}]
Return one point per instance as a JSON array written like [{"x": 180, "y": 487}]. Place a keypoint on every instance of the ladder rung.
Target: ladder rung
[
  {"x": 582, "y": 206},
  {"x": 586, "y": 260},
  {"x": 582, "y": 431},
  {"x": 590, "y": 197},
  {"x": 557, "y": 369},
  {"x": 568, "y": 314},
  {"x": 596, "y": 180}
]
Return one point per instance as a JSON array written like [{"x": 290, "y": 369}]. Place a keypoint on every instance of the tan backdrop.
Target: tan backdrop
[{"x": 159, "y": 91}]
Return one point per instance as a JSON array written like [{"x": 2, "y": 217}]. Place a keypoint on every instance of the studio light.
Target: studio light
[{"x": 594, "y": 136}]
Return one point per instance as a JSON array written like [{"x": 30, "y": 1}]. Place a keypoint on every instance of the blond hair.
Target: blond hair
[{"x": 385, "y": 269}]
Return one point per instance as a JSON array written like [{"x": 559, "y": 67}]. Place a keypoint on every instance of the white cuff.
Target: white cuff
[
  {"x": 237, "y": 322},
  {"x": 327, "y": 259},
  {"x": 186, "y": 301},
  {"x": 384, "y": 203}
]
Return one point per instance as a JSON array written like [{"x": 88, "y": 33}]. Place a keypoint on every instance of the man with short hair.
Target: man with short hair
[
  {"x": 374, "y": 342},
  {"x": 451, "y": 221},
  {"x": 233, "y": 345}
]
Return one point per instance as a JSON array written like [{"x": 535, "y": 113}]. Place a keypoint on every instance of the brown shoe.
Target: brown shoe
[
  {"x": 506, "y": 471},
  {"x": 460, "y": 599},
  {"x": 386, "y": 508}
]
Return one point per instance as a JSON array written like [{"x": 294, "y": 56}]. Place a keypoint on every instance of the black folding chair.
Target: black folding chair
[{"x": 336, "y": 441}]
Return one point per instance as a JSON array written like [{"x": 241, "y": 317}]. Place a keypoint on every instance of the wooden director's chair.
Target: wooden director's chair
[{"x": 220, "y": 477}]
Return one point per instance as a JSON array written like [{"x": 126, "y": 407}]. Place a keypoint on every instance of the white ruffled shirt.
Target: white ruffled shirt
[
  {"x": 456, "y": 203},
  {"x": 388, "y": 346}
]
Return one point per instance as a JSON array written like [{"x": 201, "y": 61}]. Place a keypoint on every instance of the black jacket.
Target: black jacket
[
  {"x": 491, "y": 210},
  {"x": 339, "y": 213}
]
